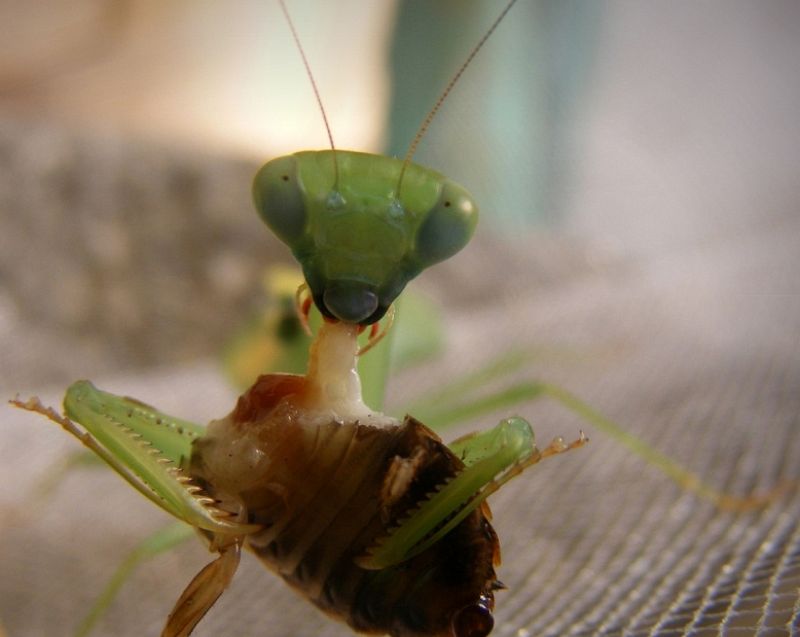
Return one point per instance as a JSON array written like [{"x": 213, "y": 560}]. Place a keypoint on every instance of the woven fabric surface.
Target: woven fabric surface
[{"x": 697, "y": 352}]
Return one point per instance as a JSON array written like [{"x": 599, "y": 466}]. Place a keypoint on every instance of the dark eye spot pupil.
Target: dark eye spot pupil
[
  {"x": 474, "y": 620},
  {"x": 285, "y": 177},
  {"x": 446, "y": 204}
]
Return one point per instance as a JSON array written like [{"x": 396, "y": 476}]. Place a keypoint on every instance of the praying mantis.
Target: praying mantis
[{"x": 438, "y": 218}]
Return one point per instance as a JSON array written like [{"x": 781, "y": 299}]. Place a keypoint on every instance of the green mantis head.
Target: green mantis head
[{"x": 357, "y": 239}]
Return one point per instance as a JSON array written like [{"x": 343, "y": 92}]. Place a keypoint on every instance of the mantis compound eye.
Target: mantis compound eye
[
  {"x": 279, "y": 199},
  {"x": 475, "y": 620},
  {"x": 350, "y": 302},
  {"x": 448, "y": 226}
]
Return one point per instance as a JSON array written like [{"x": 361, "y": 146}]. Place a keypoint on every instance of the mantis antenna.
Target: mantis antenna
[
  {"x": 316, "y": 92},
  {"x": 429, "y": 117}
]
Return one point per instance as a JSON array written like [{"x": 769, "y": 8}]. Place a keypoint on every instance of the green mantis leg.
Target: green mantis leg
[
  {"x": 159, "y": 542},
  {"x": 491, "y": 459},
  {"x": 144, "y": 446},
  {"x": 445, "y": 414},
  {"x": 148, "y": 449}
]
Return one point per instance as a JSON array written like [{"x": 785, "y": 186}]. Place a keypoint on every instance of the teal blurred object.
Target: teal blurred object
[{"x": 506, "y": 131}]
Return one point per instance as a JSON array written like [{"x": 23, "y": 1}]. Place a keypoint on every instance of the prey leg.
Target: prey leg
[{"x": 204, "y": 590}]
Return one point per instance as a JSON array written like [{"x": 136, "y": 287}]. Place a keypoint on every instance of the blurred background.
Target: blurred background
[{"x": 637, "y": 169}]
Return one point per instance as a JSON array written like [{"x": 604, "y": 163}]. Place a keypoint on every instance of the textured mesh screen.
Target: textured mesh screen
[{"x": 707, "y": 368}]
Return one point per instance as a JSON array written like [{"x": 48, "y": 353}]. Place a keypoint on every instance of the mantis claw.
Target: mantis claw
[
  {"x": 302, "y": 303},
  {"x": 376, "y": 336},
  {"x": 144, "y": 446},
  {"x": 491, "y": 459}
]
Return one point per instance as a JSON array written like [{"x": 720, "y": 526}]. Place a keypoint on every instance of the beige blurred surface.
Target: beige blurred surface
[
  {"x": 205, "y": 74},
  {"x": 673, "y": 306}
]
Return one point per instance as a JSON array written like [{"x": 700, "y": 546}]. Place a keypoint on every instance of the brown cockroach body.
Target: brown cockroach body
[{"x": 326, "y": 491}]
